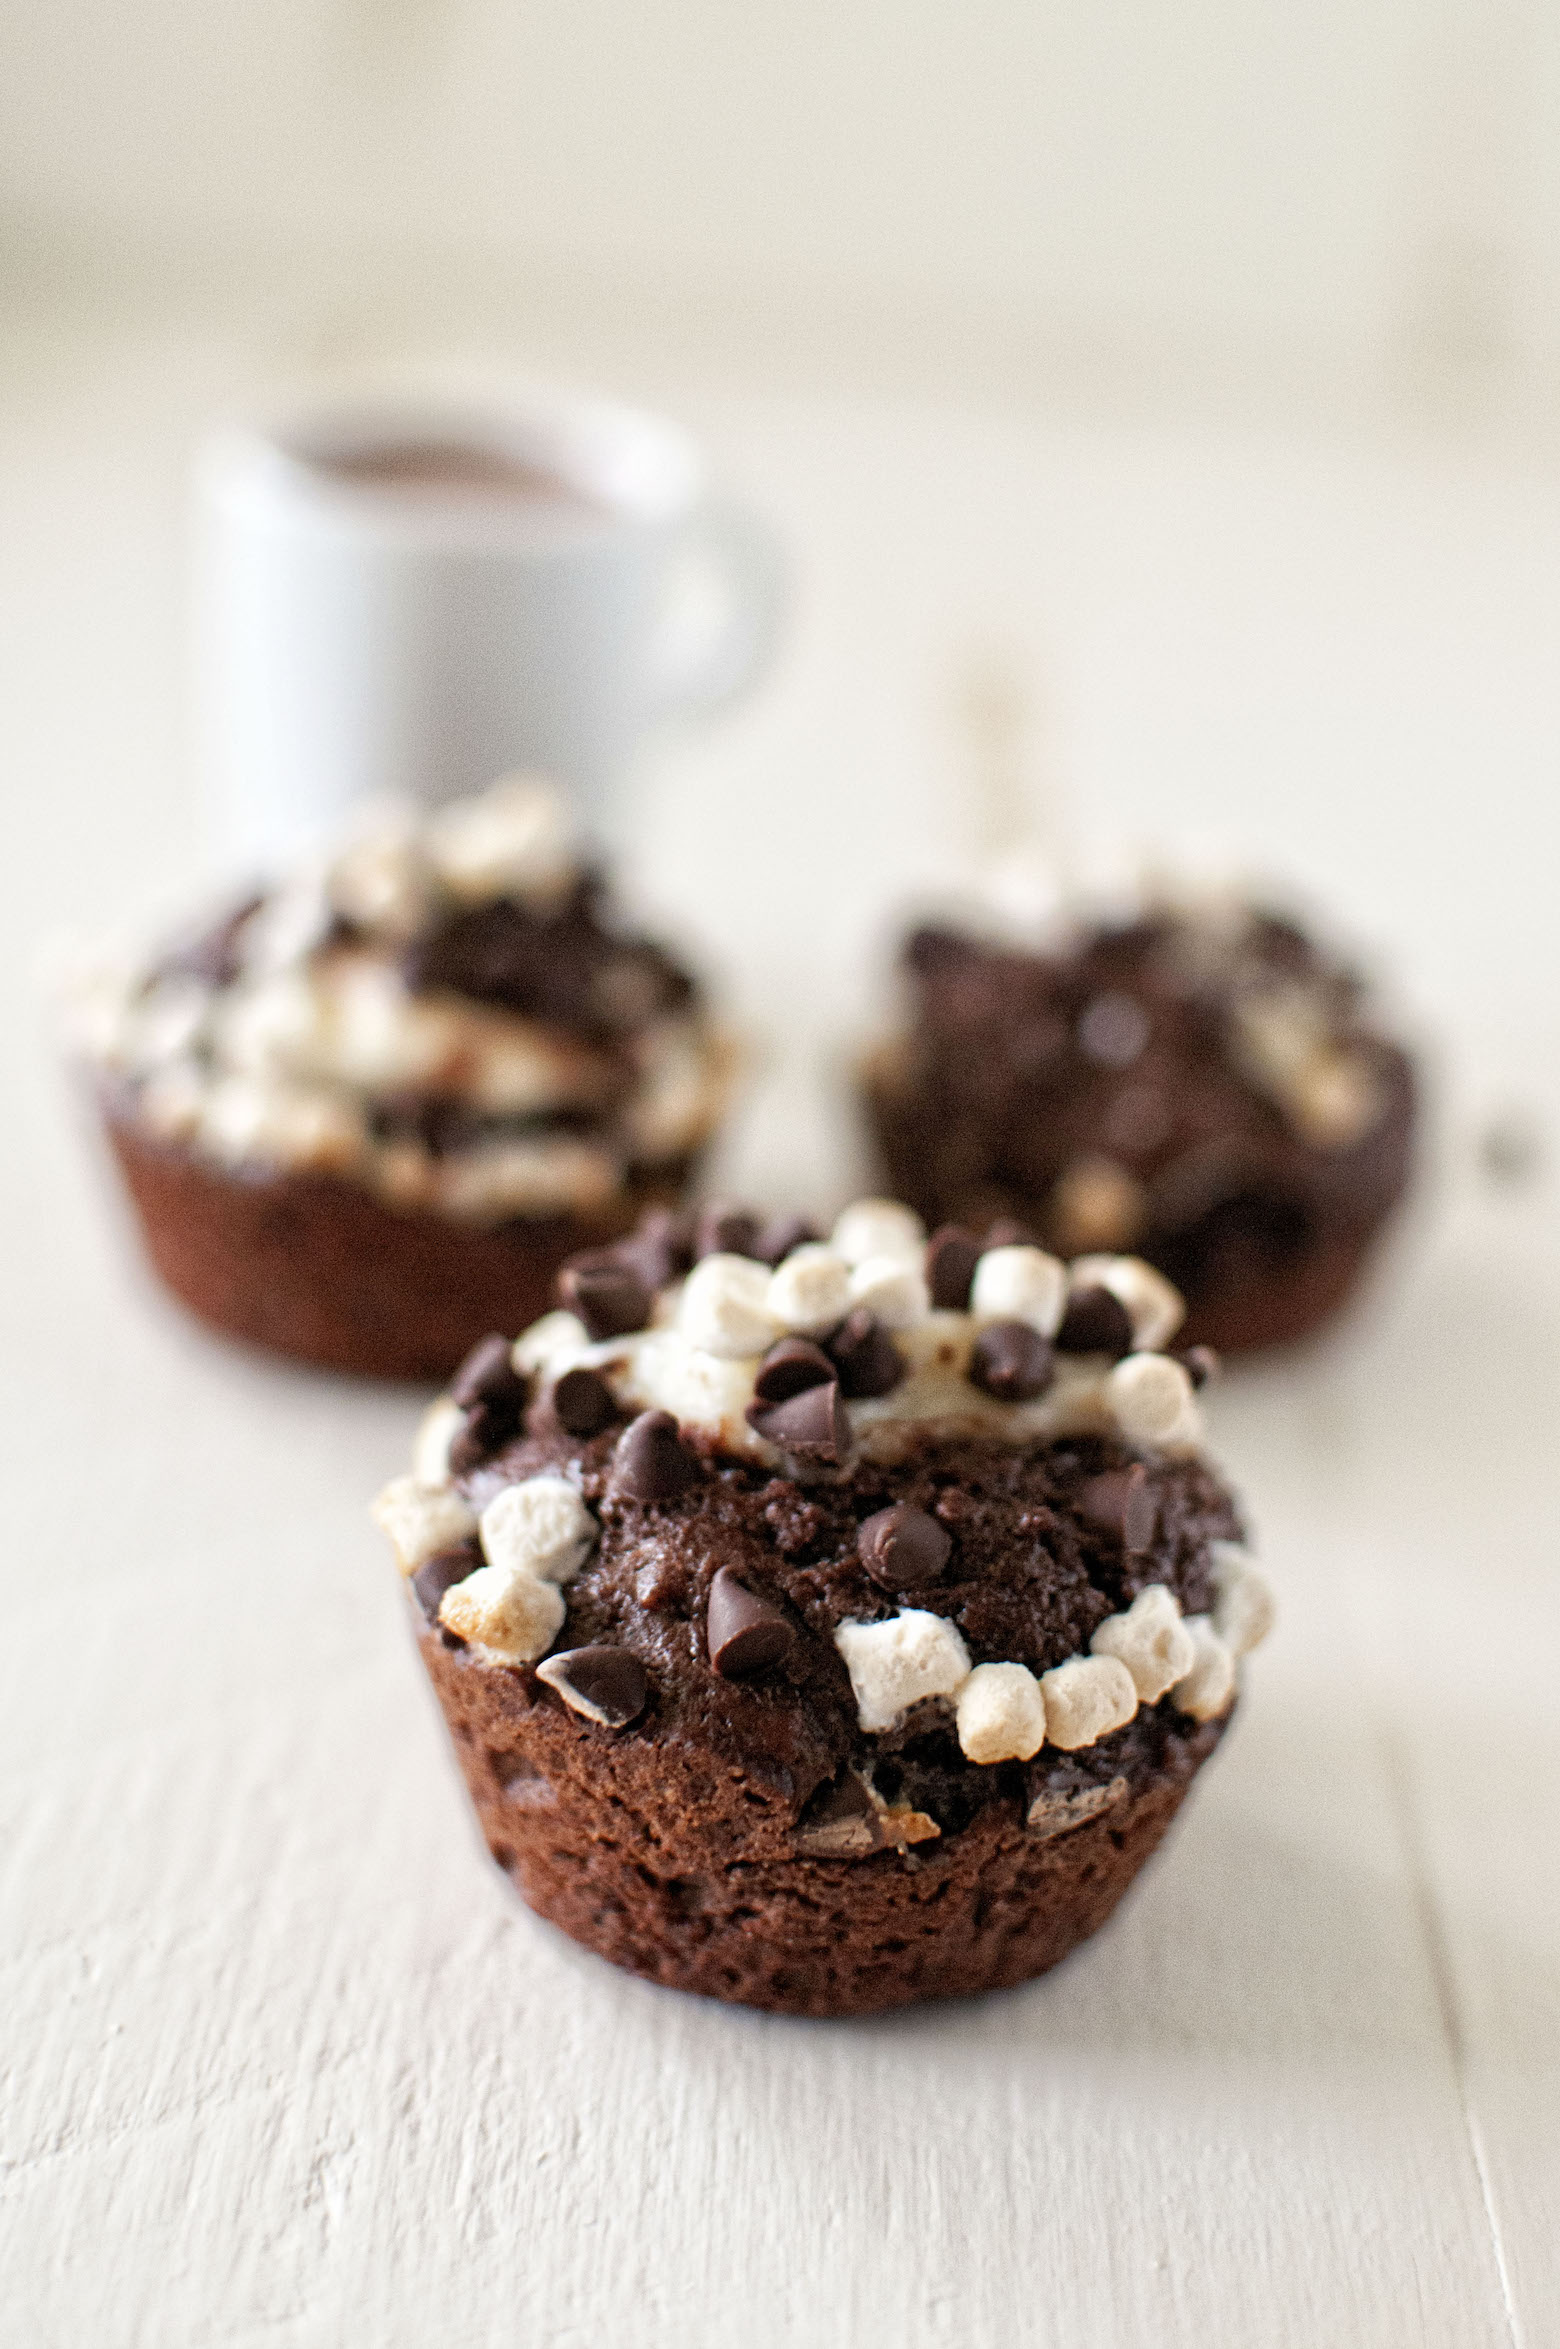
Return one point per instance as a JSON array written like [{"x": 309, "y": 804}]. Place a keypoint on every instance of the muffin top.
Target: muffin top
[
  {"x": 888, "y": 1522},
  {"x": 1138, "y": 1079},
  {"x": 448, "y": 1010}
]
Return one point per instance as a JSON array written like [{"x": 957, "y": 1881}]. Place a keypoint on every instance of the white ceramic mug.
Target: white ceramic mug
[{"x": 400, "y": 598}]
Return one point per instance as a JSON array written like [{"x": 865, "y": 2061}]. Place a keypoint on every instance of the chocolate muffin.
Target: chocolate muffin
[
  {"x": 828, "y": 1626},
  {"x": 371, "y": 1110},
  {"x": 1199, "y": 1082}
]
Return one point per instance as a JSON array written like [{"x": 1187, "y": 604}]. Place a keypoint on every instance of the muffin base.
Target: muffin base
[
  {"x": 314, "y": 1266},
  {"x": 669, "y": 1861}
]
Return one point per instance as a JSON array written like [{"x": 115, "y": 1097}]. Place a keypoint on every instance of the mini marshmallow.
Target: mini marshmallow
[
  {"x": 441, "y": 1423},
  {"x": 168, "y": 1021},
  {"x": 1205, "y": 1691},
  {"x": 549, "y": 1344},
  {"x": 1020, "y": 1284},
  {"x": 421, "y": 1520},
  {"x": 1151, "y": 1640},
  {"x": 1000, "y": 1714},
  {"x": 515, "y": 840},
  {"x": 893, "y": 1665},
  {"x": 1085, "y": 1699},
  {"x": 892, "y": 1289},
  {"x": 878, "y": 1227},
  {"x": 1245, "y": 1607},
  {"x": 513, "y": 1616},
  {"x": 540, "y": 1527},
  {"x": 725, "y": 1307},
  {"x": 172, "y": 1100},
  {"x": 1154, "y": 1305},
  {"x": 381, "y": 882},
  {"x": 1151, "y": 1399},
  {"x": 810, "y": 1291}
]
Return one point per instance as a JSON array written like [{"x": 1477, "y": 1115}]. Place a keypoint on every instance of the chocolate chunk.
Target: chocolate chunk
[
  {"x": 1006, "y": 1233},
  {"x": 789, "y": 1368},
  {"x": 488, "y": 1375},
  {"x": 951, "y": 1257},
  {"x": 607, "y": 1294},
  {"x": 488, "y": 1427},
  {"x": 902, "y": 1548},
  {"x": 1200, "y": 1363},
  {"x": 1012, "y": 1362},
  {"x": 583, "y": 1402},
  {"x": 746, "y": 1634},
  {"x": 866, "y": 1357},
  {"x": 1096, "y": 1322},
  {"x": 780, "y": 1235},
  {"x": 606, "y": 1684},
  {"x": 812, "y": 1424},
  {"x": 724, "y": 1230},
  {"x": 441, "y": 1572},
  {"x": 651, "y": 1462},
  {"x": 842, "y": 1824},
  {"x": 660, "y": 1251},
  {"x": 1121, "y": 1504}
]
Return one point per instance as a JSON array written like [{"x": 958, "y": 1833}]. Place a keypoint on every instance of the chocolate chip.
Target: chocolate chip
[
  {"x": 724, "y": 1230},
  {"x": 902, "y": 1548},
  {"x": 1121, "y": 1504},
  {"x": 789, "y": 1368},
  {"x": 811, "y": 1424},
  {"x": 866, "y": 1357},
  {"x": 651, "y": 1462},
  {"x": 1200, "y": 1363},
  {"x": 1096, "y": 1322},
  {"x": 842, "y": 1824},
  {"x": 1006, "y": 1233},
  {"x": 606, "y": 1684},
  {"x": 488, "y": 1427},
  {"x": 780, "y": 1235},
  {"x": 488, "y": 1375},
  {"x": 746, "y": 1634},
  {"x": 951, "y": 1257},
  {"x": 441, "y": 1572},
  {"x": 607, "y": 1294},
  {"x": 1012, "y": 1362},
  {"x": 661, "y": 1249},
  {"x": 583, "y": 1402}
]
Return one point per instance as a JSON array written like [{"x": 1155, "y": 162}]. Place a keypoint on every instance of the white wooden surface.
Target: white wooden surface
[{"x": 281, "y": 2063}]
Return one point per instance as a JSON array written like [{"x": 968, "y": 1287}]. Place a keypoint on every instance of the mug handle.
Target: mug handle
[{"x": 705, "y": 666}]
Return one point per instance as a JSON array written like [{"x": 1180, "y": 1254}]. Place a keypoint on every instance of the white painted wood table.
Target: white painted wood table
[{"x": 281, "y": 2062}]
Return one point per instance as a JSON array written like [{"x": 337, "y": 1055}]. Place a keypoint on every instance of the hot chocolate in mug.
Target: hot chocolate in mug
[{"x": 401, "y": 598}]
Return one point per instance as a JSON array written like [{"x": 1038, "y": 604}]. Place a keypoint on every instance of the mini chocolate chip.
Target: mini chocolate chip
[
  {"x": 606, "y": 1684},
  {"x": 780, "y": 1235},
  {"x": 842, "y": 1824},
  {"x": 902, "y": 1548},
  {"x": 1096, "y": 1322},
  {"x": 790, "y": 1367},
  {"x": 724, "y": 1230},
  {"x": 488, "y": 1375},
  {"x": 1012, "y": 1361},
  {"x": 651, "y": 1462},
  {"x": 441, "y": 1572},
  {"x": 608, "y": 1295},
  {"x": 1006, "y": 1233},
  {"x": 866, "y": 1357},
  {"x": 1121, "y": 1504},
  {"x": 745, "y": 1633},
  {"x": 488, "y": 1427},
  {"x": 951, "y": 1257},
  {"x": 811, "y": 1424},
  {"x": 1200, "y": 1363},
  {"x": 584, "y": 1402},
  {"x": 660, "y": 1250}
]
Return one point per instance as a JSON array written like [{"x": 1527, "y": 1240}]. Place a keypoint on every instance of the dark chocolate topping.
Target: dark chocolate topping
[
  {"x": 951, "y": 1257},
  {"x": 812, "y": 1424},
  {"x": 583, "y": 1401},
  {"x": 1012, "y": 1362},
  {"x": 488, "y": 1375},
  {"x": 1096, "y": 1322},
  {"x": 561, "y": 965},
  {"x": 606, "y": 1293},
  {"x": 789, "y": 1367},
  {"x": 611, "y": 1682},
  {"x": 1122, "y": 1503},
  {"x": 652, "y": 1463},
  {"x": 439, "y": 1573},
  {"x": 724, "y": 1230},
  {"x": 866, "y": 1357}
]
